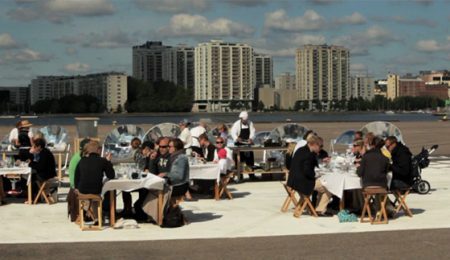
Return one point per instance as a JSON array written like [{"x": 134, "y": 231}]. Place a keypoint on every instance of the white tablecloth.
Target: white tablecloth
[
  {"x": 210, "y": 171},
  {"x": 151, "y": 182},
  {"x": 19, "y": 171},
  {"x": 336, "y": 182}
]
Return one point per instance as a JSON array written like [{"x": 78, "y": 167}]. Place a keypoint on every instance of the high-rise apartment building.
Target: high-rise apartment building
[
  {"x": 323, "y": 73},
  {"x": 285, "y": 81},
  {"x": 110, "y": 88},
  {"x": 393, "y": 88},
  {"x": 223, "y": 73},
  {"x": 154, "y": 62},
  {"x": 263, "y": 68},
  {"x": 178, "y": 66},
  {"x": 362, "y": 86}
]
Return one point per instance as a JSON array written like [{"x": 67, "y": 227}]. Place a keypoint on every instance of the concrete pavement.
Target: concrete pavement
[{"x": 255, "y": 212}]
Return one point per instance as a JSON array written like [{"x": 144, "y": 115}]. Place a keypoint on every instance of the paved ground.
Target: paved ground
[
  {"x": 413, "y": 244},
  {"x": 255, "y": 211}
]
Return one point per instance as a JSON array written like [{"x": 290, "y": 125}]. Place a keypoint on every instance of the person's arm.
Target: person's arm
[
  {"x": 108, "y": 169},
  {"x": 235, "y": 131},
  {"x": 309, "y": 165},
  {"x": 77, "y": 176},
  {"x": 362, "y": 167},
  {"x": 41, "y": 165},
  {"x": 403, "y": 165},
  {"x": 177, "y": 171},
  {"x": 252, "y": 131}
]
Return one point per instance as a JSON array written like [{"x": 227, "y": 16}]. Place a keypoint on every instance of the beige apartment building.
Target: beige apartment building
[
  {"x": 223, "y": 73},
  {"x": 362, "y": 86},
  {"x": 285, "y": 81},
  {"x": 110, "y": 88},
  {"x": 322, "y": 73}
]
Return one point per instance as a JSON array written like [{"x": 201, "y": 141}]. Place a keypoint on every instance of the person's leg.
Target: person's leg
[
  {"x": 323, "y": 198},
  {"x": 140, "y": 214},
  {"x": 127, "y": 204},
  {"x": 2, "y": 192}
]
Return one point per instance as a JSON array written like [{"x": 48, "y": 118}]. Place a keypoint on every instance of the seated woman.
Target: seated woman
[
  {"x": 90, "y": 171},
  {"x": 223, "y": 156},
  {"x": 373, "y": 168},
  {"x": 178, "y": 175}
]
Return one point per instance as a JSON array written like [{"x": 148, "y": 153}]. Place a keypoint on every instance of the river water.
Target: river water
[{"x": 266, "y": 117}]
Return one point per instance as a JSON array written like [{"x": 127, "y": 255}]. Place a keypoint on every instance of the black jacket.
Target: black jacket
[
  {"x": 373, "y": 169},
  {"x": 211, "y": 151},
  {"x": 302, "y": 176},
  {"x": 402, "y": 164},
  {"x": 89, "y": 174},
  {"x": 45, "y": 166},
  {"x": 159, "y": 165}
]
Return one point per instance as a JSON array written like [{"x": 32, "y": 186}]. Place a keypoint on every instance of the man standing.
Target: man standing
[
  {"x": 195, "y": 133},
  {"x": 401, "y": 164},
  {"x": 243, "y": 133},
  {"x": 302, "y": 176},
  {"x": 185, "y": 136}
]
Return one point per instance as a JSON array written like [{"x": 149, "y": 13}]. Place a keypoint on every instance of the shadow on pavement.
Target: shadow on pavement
[{"x": 200, "y": 217}]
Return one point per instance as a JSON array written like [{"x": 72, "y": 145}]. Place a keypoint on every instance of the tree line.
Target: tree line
[{"x": 378, "y": 103}]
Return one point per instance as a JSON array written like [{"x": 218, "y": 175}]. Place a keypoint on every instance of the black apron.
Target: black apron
[
  {"x": 246, "y": 157},
  {"x": 25, "y": 145}
]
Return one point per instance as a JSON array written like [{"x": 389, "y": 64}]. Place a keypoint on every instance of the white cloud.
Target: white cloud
[
  {"x": 108, "y": 39},
  {"x": 358, "y": 67},
  {"x": 7, "y": 41},
  {"x": 353, "y": 19},
  {"x": 197, "y": 25},
  {"x": 247, "y": 3},
  {"x": 23, "y": 56},
  {"x": 360, "y": 42},
  {"x": 406, "y": 20},
  {"x": 280, "y": 20},
  {"x": 282, "y": 53},
  {"x": 77, "y": 67},
  {"x": 59, "y": 11},
  {"x": 173, "y": 6},
  {"x": 433, "y": 45}
]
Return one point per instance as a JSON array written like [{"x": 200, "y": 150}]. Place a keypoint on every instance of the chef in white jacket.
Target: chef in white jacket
[{"x": 243, "y": 133}]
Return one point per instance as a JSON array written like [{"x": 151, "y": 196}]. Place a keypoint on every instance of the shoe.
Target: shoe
[{"x": 325, "y": 214}]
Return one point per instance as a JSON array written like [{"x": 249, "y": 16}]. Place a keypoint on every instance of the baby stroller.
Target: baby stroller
[{"x": 419, "y": 162}]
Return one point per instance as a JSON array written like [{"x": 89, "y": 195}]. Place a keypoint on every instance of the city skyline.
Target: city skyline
[{"x": 71, "y": 37}]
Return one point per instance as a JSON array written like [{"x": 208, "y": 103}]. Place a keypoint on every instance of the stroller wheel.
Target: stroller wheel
[{"x": 423, "y": 187}]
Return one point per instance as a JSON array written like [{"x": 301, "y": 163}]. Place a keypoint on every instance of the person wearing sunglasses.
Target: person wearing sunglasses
[
  {"x": 159, "y": 161},
  {"x": 223, "y": 156}
]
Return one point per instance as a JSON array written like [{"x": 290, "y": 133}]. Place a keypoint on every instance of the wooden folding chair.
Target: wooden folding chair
[
  {"x": 302, "y": 204},
  {"x": 224, "y": 180},
  {"x": 372, "y": 194},
  {"x": 289, "y": 199},
  {"x": 400, "y": 198},
  {"x": 43, "y": 186},
  {"x": 90, "y": 198}
]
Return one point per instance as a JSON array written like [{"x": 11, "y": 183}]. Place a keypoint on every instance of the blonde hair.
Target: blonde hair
[
  {"x": 314, "y": 139},
  {"x": 91, "y": 147},
  {"x": 222, "y": 126},
  {"x": 291, "y": 148}
]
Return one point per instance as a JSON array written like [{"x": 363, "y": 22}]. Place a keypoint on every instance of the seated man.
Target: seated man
[
  {"x": 302, "y": 176},
  {"x": 43, "y": 165},
  {"x": 374, "y": 166},
  {"x": 90, "y": 172},
  {"x": 401, "y": 164},
  {"x": 208, "y": 149},
  {"x": 159, "y": 160}
]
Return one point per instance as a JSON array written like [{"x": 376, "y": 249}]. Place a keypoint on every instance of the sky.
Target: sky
[{"x": 71, "y": 37}]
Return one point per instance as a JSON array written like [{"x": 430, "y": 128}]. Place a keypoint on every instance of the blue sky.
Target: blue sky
[{"x": 66, "y": 37}]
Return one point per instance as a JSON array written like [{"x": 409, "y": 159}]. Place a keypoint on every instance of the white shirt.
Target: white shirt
[
  {"x": 236, "y": 129},
  {"x": 299, "y": 145},
  {"x": 195, "y": 133},
  {"x": 186, "y": 138},
  {"x": 14, "y": 134}
]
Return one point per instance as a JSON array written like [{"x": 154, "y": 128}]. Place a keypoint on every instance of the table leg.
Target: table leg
[
  {"x": 160, "y": 207},
  {"x": 112, "y": 208},
  {"x": 216, "y": 191},
  {"x": 30, "y": 194},
  {"x": 342, "y": 202},
  {"x": 59, "y": 166},
  {"x": 238, "y": 165}
]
